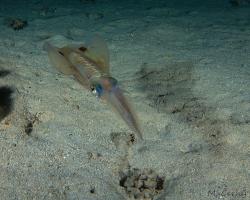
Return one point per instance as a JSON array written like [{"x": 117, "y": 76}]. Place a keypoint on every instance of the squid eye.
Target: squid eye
[{"x": 98, "y": 90}]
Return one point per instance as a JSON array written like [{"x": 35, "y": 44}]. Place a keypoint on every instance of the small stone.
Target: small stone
[
  {"x": 143, "y": 177},
  {"x": 138, "y": 196},
  {"x": 150, "y": 183},
  {"x": 136, "y": 172},
  {"x": 151, "y": 174},
  {"x": 135, "y": 191},
  {"x": 92, "y": 190},
  {"x": 93, "y": 156},
  {"x": 159, "y": 183},
  {"x": 147, "y": 193},
  {"x": 129, "y": 183},
  {"x": 139, "y": 184}
]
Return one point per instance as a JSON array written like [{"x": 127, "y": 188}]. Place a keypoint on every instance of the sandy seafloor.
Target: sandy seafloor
[{"x": 184, "y": 66}]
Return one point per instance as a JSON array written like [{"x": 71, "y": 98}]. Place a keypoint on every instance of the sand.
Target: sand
[{"x": 185, "y": 68}]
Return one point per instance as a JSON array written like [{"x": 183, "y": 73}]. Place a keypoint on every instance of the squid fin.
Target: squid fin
[
  {"x": 58, "y": 60},
  {"x": 97, "y": 51}
]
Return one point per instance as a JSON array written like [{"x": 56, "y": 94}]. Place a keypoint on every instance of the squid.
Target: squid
[{"x": 89, "y": 65}]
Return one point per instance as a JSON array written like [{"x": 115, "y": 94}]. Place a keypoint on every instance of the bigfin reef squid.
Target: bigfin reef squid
[{"x": 89, "y": 64}]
